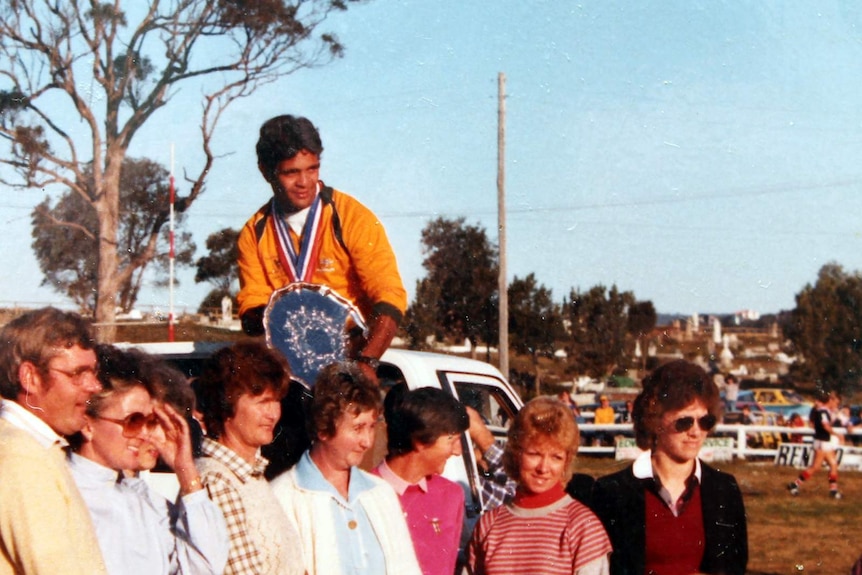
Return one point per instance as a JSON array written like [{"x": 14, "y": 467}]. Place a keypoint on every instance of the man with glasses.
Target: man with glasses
[{"x": 47, "y": 376}]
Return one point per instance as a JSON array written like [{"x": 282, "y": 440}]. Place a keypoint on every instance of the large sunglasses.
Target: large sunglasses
[
  {"x": 706, "y": 423},
  {"x": 134, "y": 423}
]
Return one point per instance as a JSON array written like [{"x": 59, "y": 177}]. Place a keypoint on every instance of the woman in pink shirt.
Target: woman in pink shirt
[{"x": 424, "y": 428}]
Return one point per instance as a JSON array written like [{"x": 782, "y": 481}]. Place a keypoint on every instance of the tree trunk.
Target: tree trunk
[{"x": 107, "y": 210}]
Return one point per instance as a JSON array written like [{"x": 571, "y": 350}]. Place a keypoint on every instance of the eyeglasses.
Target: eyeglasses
[
  {"x": 706, "y": 423},
  {"x": 78, "y": 375},
  {"x": 134, "y": 423}
]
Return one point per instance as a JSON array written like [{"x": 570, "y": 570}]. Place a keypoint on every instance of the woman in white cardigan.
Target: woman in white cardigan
[{"x": 348, "y": 520}]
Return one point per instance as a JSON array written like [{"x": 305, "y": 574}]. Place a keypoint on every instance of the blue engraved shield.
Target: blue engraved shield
[{"x": 309, "y": 325}]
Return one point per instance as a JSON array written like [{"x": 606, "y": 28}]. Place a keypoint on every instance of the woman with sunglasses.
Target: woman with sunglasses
[
  {"x": 669, "y": 512},
  {"x": 139, "y": 531}
]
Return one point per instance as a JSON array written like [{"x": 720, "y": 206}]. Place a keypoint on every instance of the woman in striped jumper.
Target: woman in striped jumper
[{"x": 543, "y": 530}]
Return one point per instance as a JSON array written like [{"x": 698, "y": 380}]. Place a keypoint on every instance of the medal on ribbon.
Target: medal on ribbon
[{"x": 299, "y": 265}]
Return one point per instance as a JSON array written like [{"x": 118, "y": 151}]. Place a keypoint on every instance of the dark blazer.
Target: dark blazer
[{"x": 619, "y": 501}]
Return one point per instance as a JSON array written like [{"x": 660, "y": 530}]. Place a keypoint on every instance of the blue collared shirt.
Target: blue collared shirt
[
  {"x": 141, "y": 533},
  {"x": 356, "y": 542}
]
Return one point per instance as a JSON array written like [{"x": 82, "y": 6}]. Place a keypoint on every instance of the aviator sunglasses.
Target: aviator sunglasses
[
  {"x": 134, "y": 423},
  {"x": 683, "y": 424}
]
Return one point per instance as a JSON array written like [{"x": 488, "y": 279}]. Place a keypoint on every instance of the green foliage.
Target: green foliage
[
  {"x": 598, "y": 325},
  {"x": 535, "y": 322},
  {"x": 81, "y": 79},
  {"x": 219, "y": 267},
  {"x": 642, "y": 318},
  {"x": 826, "y": 329},
  {"x": 65, "y": 237},
  {"x": 462, "y": 268},
  {"x": 420, "y": 319}
]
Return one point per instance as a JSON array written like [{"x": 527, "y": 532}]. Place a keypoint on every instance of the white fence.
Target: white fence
[{"x": 750, "y": 441}]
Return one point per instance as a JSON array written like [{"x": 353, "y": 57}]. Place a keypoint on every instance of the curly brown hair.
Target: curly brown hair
[
  {"x": 340, "y": 388},
  {"x": 672, "y": 386}
]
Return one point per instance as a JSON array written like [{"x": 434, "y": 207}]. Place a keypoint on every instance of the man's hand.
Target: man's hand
[{"x": 479, "y": 432}]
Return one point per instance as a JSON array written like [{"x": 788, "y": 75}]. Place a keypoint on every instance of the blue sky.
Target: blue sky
[{"x": 704, "y": 155}]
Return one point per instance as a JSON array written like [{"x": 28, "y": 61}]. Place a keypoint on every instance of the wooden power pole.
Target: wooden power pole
[{"x": 503, "y": 345}]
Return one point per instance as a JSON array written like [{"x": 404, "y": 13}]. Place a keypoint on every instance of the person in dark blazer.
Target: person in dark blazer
[{"x": 669, "y": 513}]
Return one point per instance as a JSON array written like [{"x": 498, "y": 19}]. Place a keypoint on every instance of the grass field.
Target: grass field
[{"x": 810, "y": 533}]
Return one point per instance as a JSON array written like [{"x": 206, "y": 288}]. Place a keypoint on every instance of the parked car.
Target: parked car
[{"x": 778, "y": 400}]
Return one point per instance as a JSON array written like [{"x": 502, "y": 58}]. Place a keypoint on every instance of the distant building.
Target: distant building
[{"x": 745, "y": 315}]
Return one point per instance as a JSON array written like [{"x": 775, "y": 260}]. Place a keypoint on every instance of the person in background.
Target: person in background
[
  {"x": 797, "y": 421},
  {"x": 604, "y": 412},
  {"x": 628, "y": 415},
  {"x": 747, "y": 419},
  {"x": 731, "y": 392},
  {"x": 669, "y": 512},
  {"x": 139, "y": 531},
  {"x": 47, "y": 376},
  {"x": 424, "y": 429},
  {"x": 543, "y": 530},
  {"x": 240, "y": 390},
  {"x": 566, "y": 397},
  {"x": 309, "y": 232},
  {"x": 604, "y": 415},
  {"x": 349, "y": 521},
  {"x": 825, "y": 403}
]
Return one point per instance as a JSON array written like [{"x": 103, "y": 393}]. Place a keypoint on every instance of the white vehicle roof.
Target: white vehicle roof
[{"x": 416, "y": 365}]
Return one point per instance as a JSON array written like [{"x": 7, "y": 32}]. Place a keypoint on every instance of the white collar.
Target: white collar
[
  {"x": 25, "y": 419},
  {"x": 642, "y": 467},
  {"x": 296, "y": 220}
]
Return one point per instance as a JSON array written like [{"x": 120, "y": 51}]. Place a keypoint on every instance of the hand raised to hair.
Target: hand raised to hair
[{"x": 176, "y": 449}]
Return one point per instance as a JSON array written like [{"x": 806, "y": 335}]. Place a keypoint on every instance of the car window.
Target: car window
[{"x": 491, "y": 401}]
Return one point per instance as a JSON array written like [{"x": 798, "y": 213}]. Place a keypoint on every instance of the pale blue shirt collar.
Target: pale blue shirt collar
[
  {"x": 309, "y": 476},
  {"x": 26, "y": 420},
  {"x": 359, "y": 550}
]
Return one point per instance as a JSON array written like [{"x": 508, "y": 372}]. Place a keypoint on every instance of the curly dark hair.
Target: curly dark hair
[
  {"x": 246, "y": 367},
  {"x": 672, "y": 386},
  {"x": 282, "y": 138},
  {"x": 340, "y": 388}
]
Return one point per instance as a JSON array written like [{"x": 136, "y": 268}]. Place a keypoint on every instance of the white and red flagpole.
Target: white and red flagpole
[{"x": 171, "y": 255}]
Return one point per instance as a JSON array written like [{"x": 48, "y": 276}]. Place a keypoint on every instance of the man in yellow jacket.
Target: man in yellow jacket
[
  {"x": 312, "y": 233},
  {"x": 47, "y": 375}
]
